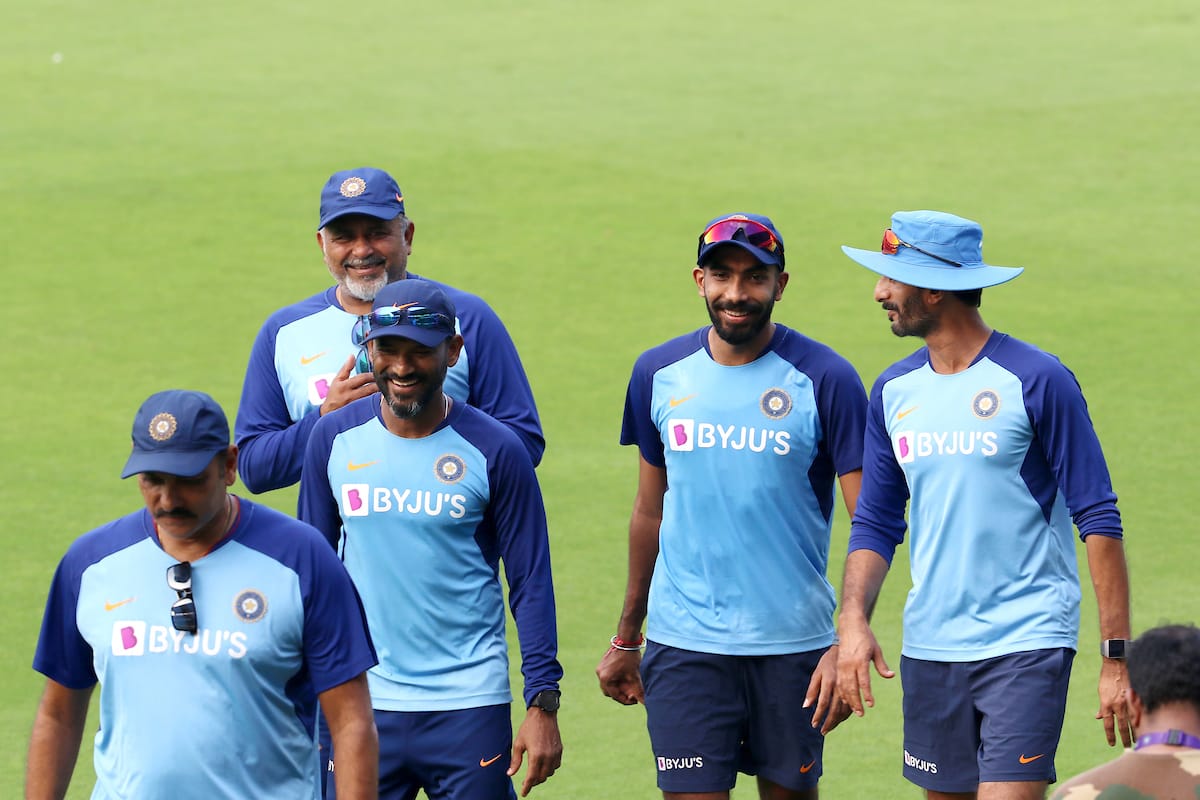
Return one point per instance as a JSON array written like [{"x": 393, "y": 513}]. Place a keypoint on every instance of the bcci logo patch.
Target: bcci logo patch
[
  {"x": 775, "y": 403},
  {"x": 162, "y": 427},
  {"x": 353, "y": 187},
  {"x": 250, "y": 605},
  {"x": 986, "y": 404},
  {"x": 450, "y": 469}
]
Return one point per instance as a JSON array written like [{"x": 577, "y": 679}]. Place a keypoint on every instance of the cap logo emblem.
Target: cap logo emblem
[
  {"x": 353, "y": 187},
  {"x": 162, "y": 427}
]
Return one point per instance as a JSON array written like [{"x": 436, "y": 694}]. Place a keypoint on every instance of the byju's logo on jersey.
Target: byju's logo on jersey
[
  {"x": 129, "y": 637},
  {"x": 908, "y": 446},
  {"x": 687, "y": 762},
  {"x": 354, "y": 499},
  {"x": 680, "y": 433},
  {"x": 135, "y": 638},
  {"x": 685, "y": 435},
  {"x": 361, "y": 499},
  {"x": 318, "y": 388}
]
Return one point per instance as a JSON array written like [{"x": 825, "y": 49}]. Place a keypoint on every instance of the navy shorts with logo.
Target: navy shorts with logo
[
  {"x": 999, "y": 719},
  {"x": 711, "y": 716},
  {"x": 451, "y": 755}
]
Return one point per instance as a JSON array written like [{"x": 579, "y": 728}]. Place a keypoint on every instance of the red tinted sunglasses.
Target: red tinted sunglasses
[
  {"x": 892, "y": 244},
  {"x": 757, "y": 234}
]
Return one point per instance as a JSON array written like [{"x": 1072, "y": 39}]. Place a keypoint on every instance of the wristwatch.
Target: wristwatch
[
  {"x": 1114, "y": 648},
  {"x": 547, "y": 700}
]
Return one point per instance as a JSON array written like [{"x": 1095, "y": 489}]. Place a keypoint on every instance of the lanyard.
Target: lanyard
[{"x": 1173, "y": 737}]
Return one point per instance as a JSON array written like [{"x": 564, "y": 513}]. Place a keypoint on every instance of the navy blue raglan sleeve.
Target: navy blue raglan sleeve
[
  {"x": 499, "y": 386},
  {"x": 270, "y": 445},
  {"x": 518, "y": 515},
  {"x": 879, "y": 523}
]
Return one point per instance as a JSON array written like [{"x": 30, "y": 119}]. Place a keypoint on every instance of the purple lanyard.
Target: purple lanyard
[{"x": 1173, "y": 736}]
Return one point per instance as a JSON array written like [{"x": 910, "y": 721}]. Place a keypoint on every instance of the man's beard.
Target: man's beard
[
  {"x": 744, "y": 333},
  {"x": 913, "y": 318},
  {"x": 364, "y": 289}
]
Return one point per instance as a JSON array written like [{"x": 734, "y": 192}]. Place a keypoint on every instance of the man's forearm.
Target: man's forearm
[
  {"x": 861, "y": 582},
  {"x": 54, "y": 743},
  {"x": 1110, "y": 580}
]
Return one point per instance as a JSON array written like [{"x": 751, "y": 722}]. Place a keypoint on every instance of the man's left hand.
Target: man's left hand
[
  {"x": 1114, "y": 707},
  {"x": 830, "y": 710},
  {"x": 539, "y": 738}
]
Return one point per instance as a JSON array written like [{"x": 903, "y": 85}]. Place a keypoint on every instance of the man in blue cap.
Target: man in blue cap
[
  {"x": 302, "y": 364},
  {"x": 425, "y": 496},
  {"x": 751, "y": 424},
  {"x": 987, "y": 442},
  {"x": 214, "y": 626}
]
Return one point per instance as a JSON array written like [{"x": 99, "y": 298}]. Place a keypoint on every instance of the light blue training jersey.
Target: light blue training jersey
[
  {"x": 994, "y": 462},
  {"x": 302, "y": 346},
  {"x": 231, "y": 710},
  {"x": 422, "y": 526},
  {"x": 751, "y": 454}
]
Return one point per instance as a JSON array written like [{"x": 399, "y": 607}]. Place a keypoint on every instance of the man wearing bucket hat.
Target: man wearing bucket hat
[
  {"x": 303, "y": 362},
  {"x": 425, "y": 496},
  {"x": 751, "y": 424},
  {"x": 988, "y": 442},
  {"x": 211, "y": 675}
]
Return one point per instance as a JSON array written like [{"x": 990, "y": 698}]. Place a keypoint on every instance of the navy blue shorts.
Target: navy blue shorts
[
  {"x": 999, "y": 719},
  {"x": 451, "y": 755},
  {"x": 712, "y": 716}
]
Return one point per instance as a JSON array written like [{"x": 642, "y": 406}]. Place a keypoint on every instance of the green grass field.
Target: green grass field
[{"x": 161, "y": 166}]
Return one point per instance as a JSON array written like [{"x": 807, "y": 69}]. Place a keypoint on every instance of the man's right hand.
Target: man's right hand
[
  {"x": 857, "y": 651},
  {"x": 346, "y": 388},
  {"x": 619, "y": 676}
]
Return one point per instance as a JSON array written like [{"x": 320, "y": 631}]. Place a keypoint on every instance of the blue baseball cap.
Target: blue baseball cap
[
  {"x": 177, "y": 432},
  {"x": 413, "y": 309},
  {"x": 365, "y": 190},
  {"x": 754, "y": 233},
  {"x": 933, "y": 250}
]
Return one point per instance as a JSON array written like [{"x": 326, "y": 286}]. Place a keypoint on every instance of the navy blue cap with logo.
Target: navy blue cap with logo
[
  {"x": 754, "y": 233},
  {"x": 365, "y": 190},
  {"x": 413, "y": 309},
  {"x": 177, "y": 432}
]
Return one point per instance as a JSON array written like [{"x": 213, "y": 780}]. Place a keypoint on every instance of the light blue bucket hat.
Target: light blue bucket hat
[{"x": 933, "y": 250}]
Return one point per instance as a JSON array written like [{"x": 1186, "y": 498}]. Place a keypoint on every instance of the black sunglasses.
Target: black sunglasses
[{"x": 183, "y": 610}]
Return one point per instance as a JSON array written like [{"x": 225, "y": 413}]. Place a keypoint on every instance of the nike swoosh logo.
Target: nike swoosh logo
[
  {"x": 906, "y": 412},
  {"x": 1031, "y": 759},
  {"x": 110, "y": 606},
  {"x": 680, "y": 401},
  {"x": 808, "y": 766},
  {"x": 489, "y": 761},
  {"x": 306, "y": 360},
  {"x": 350, "y": 465}
]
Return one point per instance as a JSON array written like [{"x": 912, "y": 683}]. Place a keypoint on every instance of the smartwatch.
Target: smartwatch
[
  {"x": 547, "y": 700},
  {"x": 1114, "y": 648}
]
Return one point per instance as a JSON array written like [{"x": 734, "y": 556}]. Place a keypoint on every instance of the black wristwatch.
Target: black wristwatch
[
  {"x": 547, "y": 700},
  {"x": 1114, "y": 648}
]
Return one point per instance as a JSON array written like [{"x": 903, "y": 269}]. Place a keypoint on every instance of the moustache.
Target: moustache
[
  {"x": 175, "y": 513},
  {"x": 738, "y": 308},
  {"x": 374, "y": 261}
]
